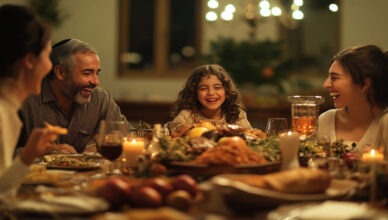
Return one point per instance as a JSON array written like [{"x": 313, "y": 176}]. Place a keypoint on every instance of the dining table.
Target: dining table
[{"x": 69, "y": 192}]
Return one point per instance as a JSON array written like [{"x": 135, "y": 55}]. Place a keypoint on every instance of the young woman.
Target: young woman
[
  {"x": 357, "y": 82},
  {"x": 208, "y": 95},
  {"x": 25, "y": 48}
]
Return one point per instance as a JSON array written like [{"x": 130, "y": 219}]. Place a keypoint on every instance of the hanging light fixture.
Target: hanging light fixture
[{"x": 255, "y": 10}]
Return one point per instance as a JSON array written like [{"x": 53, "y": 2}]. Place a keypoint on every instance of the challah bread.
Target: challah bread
[
  {"x": 300, "y": 180},
  {"x": 56, "y": 129}
]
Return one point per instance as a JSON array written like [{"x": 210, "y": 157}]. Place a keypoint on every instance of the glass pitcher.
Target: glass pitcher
[{"x": 304, "y": 114}]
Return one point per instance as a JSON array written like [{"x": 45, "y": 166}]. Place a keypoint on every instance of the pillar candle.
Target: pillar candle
[
  {"x": 372, "y": 156},
  {"x": 289, "y": 146},
  {"x": 133, "y": 148}
]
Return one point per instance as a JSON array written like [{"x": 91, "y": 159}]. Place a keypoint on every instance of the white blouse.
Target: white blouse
[
  {"x": 327, "y": 128},
  {"x": 12, "y": 172}
]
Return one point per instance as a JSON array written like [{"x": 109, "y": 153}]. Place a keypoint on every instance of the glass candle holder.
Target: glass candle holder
[{"x": 304, "y": 114}]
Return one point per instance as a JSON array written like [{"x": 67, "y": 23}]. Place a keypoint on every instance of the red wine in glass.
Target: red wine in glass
[{"x": 111, "y": 151}]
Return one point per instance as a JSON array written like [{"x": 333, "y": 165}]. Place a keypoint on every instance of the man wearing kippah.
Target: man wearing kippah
[{"x": 70, "y": 98}]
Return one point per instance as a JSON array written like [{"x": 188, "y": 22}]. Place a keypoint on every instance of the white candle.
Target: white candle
[
  {"x": 289, "y": 145},
  {"x": 132, "y": 149},
  {"x": 372, "y": 156}
]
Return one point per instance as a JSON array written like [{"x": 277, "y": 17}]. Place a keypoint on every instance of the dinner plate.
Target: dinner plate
[
  {"x": 242, "y": 197},
  {"x": 327, "y": 210},
  {"x": 46, "y": 177},
  {"x": 54, "y": 205},
  {"x": 86, "y": 162},
  {"x": 94, "y": 166},
  {"x": 85, "y": 156},
  {"x": 212, "y": 170}
]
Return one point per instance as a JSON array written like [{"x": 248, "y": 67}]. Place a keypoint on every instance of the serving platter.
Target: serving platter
[
  {"x": 212, "y": 170},
  {"x": 242, "y": 197}
]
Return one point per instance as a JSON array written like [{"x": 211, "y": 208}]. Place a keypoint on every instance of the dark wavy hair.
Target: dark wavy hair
[
  {"x": 22, "y": 32},
  {"x": 188, "y": 99},
  {"x": 367, "y": 61}
]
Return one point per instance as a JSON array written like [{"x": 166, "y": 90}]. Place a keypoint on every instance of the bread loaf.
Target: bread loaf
[
  {"x": 56, "y": 129},
  {"x": 301, "y": 180}
]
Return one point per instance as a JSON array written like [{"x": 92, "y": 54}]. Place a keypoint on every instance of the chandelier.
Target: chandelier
[{"x": 255, "y": 10}]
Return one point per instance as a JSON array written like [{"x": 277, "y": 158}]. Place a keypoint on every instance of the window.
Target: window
[{"x": 159, "y": 38}]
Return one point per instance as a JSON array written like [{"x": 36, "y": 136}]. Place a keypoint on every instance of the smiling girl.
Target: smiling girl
[
  {"x": 357, "y": 80},
  {"x": 208, "y": 95}
]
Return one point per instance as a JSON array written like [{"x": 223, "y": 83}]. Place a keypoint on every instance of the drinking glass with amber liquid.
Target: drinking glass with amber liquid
[{"x": 304, "y": 114}]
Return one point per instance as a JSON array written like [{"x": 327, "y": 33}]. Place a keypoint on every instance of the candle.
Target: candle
[
  {"x": 372, "y": 156},
  {"x": 289, "y": 145},
  {"x": 132, "y": 149}
]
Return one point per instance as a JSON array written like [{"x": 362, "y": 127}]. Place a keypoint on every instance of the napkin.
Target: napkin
[
  {"x": 334, "y": 210},
  {"x": 67, "y": 204}
]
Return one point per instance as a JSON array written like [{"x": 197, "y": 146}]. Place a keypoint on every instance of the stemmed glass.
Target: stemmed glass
[
  {"x": 110, "y": 140},
  {"x": 275, "y": 126}
]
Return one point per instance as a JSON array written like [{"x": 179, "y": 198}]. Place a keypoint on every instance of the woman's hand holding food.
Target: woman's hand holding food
[{"x": 39, "y": 141}]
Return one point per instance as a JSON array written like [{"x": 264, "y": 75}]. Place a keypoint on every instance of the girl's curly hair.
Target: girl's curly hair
[{"x": 188, "y": 100}]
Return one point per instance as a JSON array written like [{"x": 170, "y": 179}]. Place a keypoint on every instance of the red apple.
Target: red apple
[
  {"x": 186, "y": 183},
  {"x": 180, "y": 200},
  {"x": 146, "y": 196},
  {"x": 116, "y": 191},
  {"x": 163, "y": 186}
]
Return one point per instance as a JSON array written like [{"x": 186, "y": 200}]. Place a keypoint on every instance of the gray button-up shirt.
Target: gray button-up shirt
[{"x": 82, "y": 124}]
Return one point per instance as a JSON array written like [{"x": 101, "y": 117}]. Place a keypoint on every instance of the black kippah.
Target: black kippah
[{"x": 62, "y": 42}]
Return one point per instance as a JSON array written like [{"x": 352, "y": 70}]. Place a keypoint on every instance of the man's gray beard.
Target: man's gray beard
[{"x": 79, "y": 99}]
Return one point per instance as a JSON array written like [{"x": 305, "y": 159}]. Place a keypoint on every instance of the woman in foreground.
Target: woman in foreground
[{"x": 25, "y": 48}]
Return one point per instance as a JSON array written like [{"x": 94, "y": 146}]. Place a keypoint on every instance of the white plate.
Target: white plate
[
  {"x": 326, "y": 210},
  {"x": 94, "y": 166},
  {"x": 92, "y": 162},
  {"x": 239, "y": 196},
  {"x": 69, "y": 204}
]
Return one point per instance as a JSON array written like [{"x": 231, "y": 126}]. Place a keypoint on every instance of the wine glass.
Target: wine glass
[
  {"x": 110, "y": 139},
  {"x": 275, "y": 126}
]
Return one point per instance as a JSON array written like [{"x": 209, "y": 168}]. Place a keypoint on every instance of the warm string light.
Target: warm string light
[{"x": 255, "y": 9}]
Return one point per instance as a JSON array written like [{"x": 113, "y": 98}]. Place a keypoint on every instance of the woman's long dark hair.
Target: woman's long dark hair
[
  {"x": 367, "y": 61},
  {"x": 22, "y": 32}
]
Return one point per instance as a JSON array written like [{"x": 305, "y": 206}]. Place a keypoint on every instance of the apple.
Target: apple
[
  {"x": 186, "y": 183},
  {"x": 158, "y": 169},
  {"x": 233, "y": 140},
  {"x": 116, "y": 191},
  {"x": 180, "y": 200},
  {"x": 161, "y": 185},
  {"x": 145, "y": 196}
]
